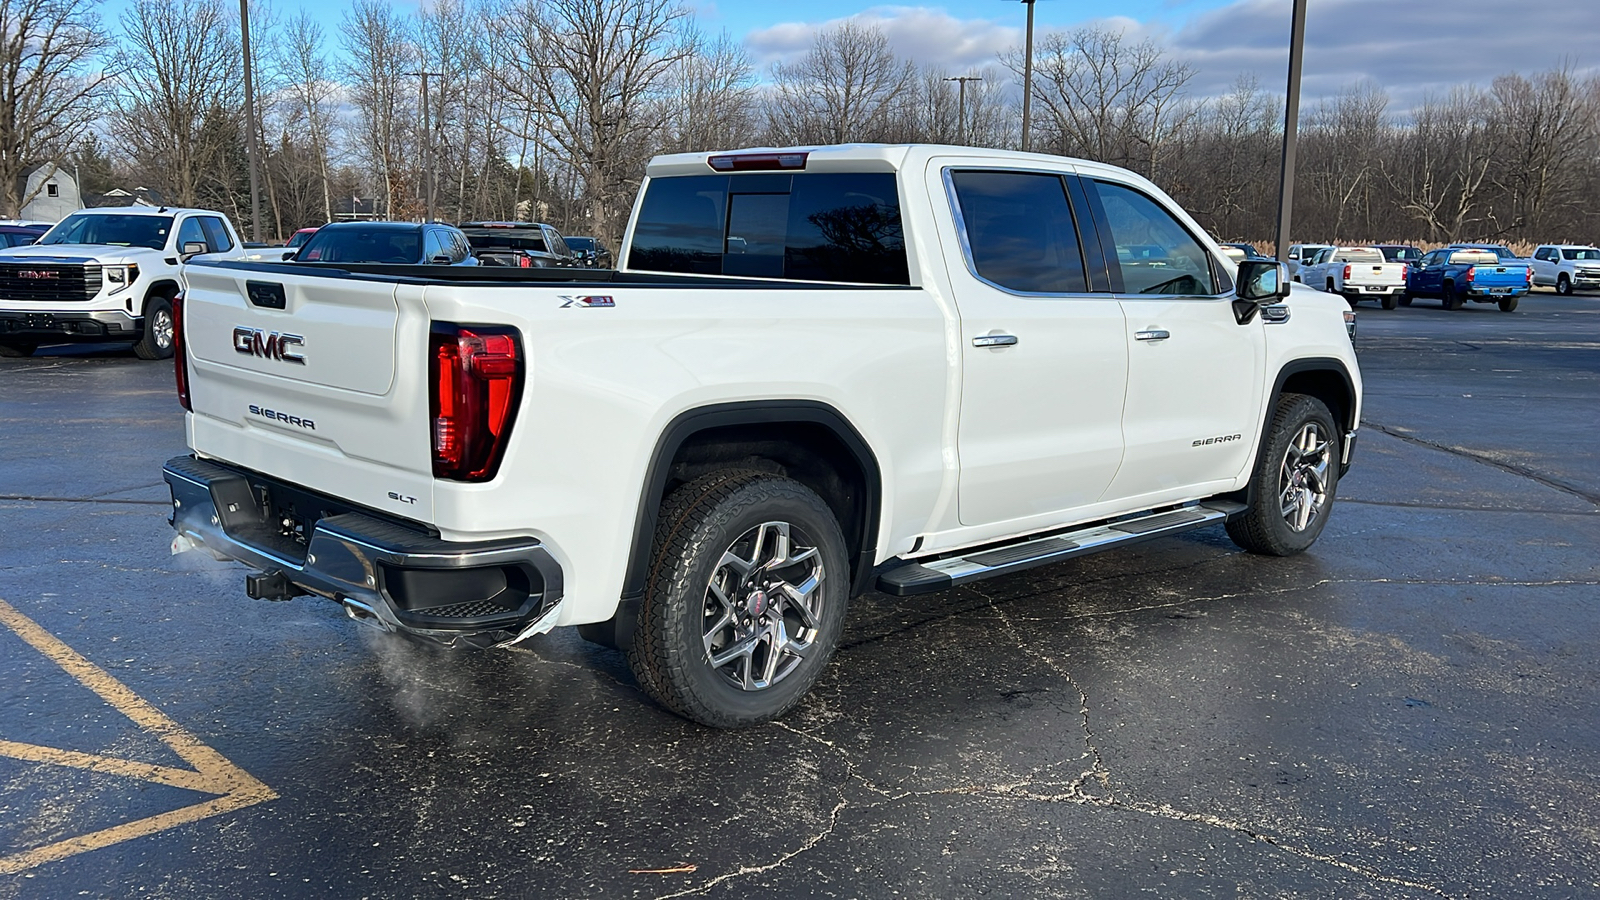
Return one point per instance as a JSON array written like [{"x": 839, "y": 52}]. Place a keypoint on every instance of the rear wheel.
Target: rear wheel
[
  {"x": 1564, "y": 285},
  {"x": 1404, "y": 299},
  {"x": 1509, "y": 304},
  {"x": 744, "y": 601},
  {"x": 17, "y": 349},
  {"x": 1294, "y": 482},
  {"x": 1449, "y": 299},
  {"x": 156, "y": 342},
  {"x": 1390, "y": 301}
]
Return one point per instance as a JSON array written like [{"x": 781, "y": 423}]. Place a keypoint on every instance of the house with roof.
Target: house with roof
[{"x": 53, "y": 192}]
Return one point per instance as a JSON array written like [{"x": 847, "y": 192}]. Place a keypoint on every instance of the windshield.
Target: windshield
[
  {"x": 299, "y": 239},
  {"x": 111, "y": 229},
  {"x": 1400, "y": 254},
  {"x": 580, "y": 243},
  {"x": 1584, "y": 253},
  {"x": 364, "y": 245}
]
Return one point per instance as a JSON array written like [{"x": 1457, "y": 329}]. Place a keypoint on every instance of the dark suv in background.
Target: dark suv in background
[
  {"x": 594, "y": 254},
  {"x": 387, "y": 242},
  {"x": 527, "y": 245}
]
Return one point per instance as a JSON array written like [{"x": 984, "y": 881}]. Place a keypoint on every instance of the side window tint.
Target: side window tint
[
  {"x": 680, "y": 226},
  {"x": 1156, "y": 253},
  {"x": 216, "y": 234},
  {"x": 191, "y": 232},
  {"x": 432, "y": 245},
  {"x": 846, "y": 227},
  {"x": 1020, "y": 231}
]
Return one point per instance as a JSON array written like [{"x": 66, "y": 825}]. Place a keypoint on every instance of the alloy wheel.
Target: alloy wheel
[
  {"x": 763, "y": 610},
  {"x": 1303, "y": 480}
]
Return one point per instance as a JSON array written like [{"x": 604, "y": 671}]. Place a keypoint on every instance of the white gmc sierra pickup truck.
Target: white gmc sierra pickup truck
[
  {"x": 105, "y": 275},
  {"x": 814, "y": 373}
]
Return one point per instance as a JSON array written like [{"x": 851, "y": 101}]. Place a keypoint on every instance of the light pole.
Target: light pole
[
  {"x": 1027, "y": 79},
  {"x": 250, "y": 122},
  {"x": 1291, "y": 124},
  {"x": 427, "y": 148},
  {"x": 961, "y": 104}
]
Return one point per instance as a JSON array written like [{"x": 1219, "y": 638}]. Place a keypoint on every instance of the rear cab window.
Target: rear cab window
[
  {"x": 806, "y": 226},
  {"x": 1018, "y": 230}
]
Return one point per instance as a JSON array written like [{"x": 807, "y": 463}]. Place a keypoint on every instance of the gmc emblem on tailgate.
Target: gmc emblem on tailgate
[{"x": 268, "y": 345}]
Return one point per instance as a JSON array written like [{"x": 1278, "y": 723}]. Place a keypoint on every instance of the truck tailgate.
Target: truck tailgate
[
  {"x": 1375, "y": 274},
  {"x": 1512, "y": 276},
  {"x": 295, "y": 376}
]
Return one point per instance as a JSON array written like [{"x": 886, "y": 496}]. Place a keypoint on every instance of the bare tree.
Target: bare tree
[
  {"x": 1542, "y": 126},
  {"x": 179, "y": 101},
  {"x": 310, "y": 94},
  {"x": 379, "y": 49},
  {"x": 1443, "y": 162},
  {"x": 594, "y": 70},
  {"x": 1106, "y": 99},
  {"x": 1342, "y": 147},
  {"x": 848, "y": 87},
  {"x": 49, "y": 89},
  {"x": 711, "y": 102}
]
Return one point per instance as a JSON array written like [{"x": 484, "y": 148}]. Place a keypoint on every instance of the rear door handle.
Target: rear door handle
[
  {"x": 1152, "y": 335},
  {"x": 994, "y": 340}
]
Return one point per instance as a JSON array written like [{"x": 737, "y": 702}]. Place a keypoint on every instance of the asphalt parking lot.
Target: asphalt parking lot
[{"x": 1406, "y": 711}]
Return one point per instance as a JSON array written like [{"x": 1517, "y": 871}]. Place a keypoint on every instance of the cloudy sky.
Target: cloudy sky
[{"x": 1409, "y": 47}]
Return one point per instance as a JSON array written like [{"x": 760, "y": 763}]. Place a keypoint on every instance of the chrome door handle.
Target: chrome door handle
[
  {"x": 1152, "y": 335},
  {"x": 994, "y": 340}
]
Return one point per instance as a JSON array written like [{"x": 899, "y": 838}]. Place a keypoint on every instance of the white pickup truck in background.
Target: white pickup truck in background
[
  {"x": 815, "y": 372},
  {"x": 1356, "y": 273},
  {"x": 1566, "y": 267},
  {"x": 106, "y": 275}
]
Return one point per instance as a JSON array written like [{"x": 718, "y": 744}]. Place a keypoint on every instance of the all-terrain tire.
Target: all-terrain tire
[
  {"x": 17, "y": 349},
  {"x": 1266, "y": 526},
  {"x": 700, "y": 525},
  {"x": 156, "y": 341}
]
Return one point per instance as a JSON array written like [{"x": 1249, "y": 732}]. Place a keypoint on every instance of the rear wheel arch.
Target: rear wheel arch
[{"x": 808, "y": 441}]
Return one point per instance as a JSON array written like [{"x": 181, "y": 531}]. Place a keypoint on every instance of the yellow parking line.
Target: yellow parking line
[{"x": 212, "y": 773}]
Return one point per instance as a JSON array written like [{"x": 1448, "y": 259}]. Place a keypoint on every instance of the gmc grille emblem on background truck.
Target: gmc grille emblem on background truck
[
  {"x": 268, "y": 345},
  {"x": 38, "y": 273}
]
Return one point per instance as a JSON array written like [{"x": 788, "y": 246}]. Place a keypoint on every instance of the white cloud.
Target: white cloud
[{"x": 921, "y": 34}]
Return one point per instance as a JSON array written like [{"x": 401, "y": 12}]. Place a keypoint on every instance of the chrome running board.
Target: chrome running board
[{"x": 933, "y": 575}]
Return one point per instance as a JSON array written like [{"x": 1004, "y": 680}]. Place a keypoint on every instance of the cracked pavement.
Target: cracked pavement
[{"x": 1405, "y": 711}]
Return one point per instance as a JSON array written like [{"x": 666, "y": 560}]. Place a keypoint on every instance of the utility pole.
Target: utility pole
[
  {"x": 1291, "y": 126},
  {"x": 427, "y": 148},
  {"x": 1027, "y": 81},
  {"x": 250, "y": 123},
  {"x": 961, "y": 105}
]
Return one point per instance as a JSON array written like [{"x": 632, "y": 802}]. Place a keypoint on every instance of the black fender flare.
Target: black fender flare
[{"x": 755, "y": 412}]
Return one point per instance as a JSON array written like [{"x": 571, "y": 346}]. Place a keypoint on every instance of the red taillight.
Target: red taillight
[
  {"x": 180, "y": 356},
  {"x": 477, "y": 381},
  {"x": 1346, "y": 273},
  {"x": 1471, "y": 274},
  {"x": 524, "y": 262},
  {"x": 1405, "y": 272},
  {"x": 757, "y": 162}
]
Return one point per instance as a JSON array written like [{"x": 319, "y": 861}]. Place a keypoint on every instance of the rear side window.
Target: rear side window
[
  {"x": 216, "y": 234},
  {"x": 1020, "y": 231},
  {"x": 1156, "y": 253},
  {"x": 810, "y": 226}
]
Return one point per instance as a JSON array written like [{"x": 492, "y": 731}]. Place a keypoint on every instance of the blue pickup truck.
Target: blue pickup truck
[{"x": 1461, "y": 273}]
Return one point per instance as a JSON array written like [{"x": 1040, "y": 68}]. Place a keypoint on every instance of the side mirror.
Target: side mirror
[
  {"x": 193, "y": 248},
  {"x": 440, "y": 260},
  {"x": 291, "y": 254},
  {"x": 1262, "y": 280}
]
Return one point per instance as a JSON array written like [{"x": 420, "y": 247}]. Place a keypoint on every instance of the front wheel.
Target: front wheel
[
  {"x": 1294, "y": 482},
  {"x": 1509, "y": 304},
  {"x": 1564, "y": 285},
  {"x": 156, "y": 342},
  {"x": 17, "y": 349},
  {"x": 744, "y": 601}
]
